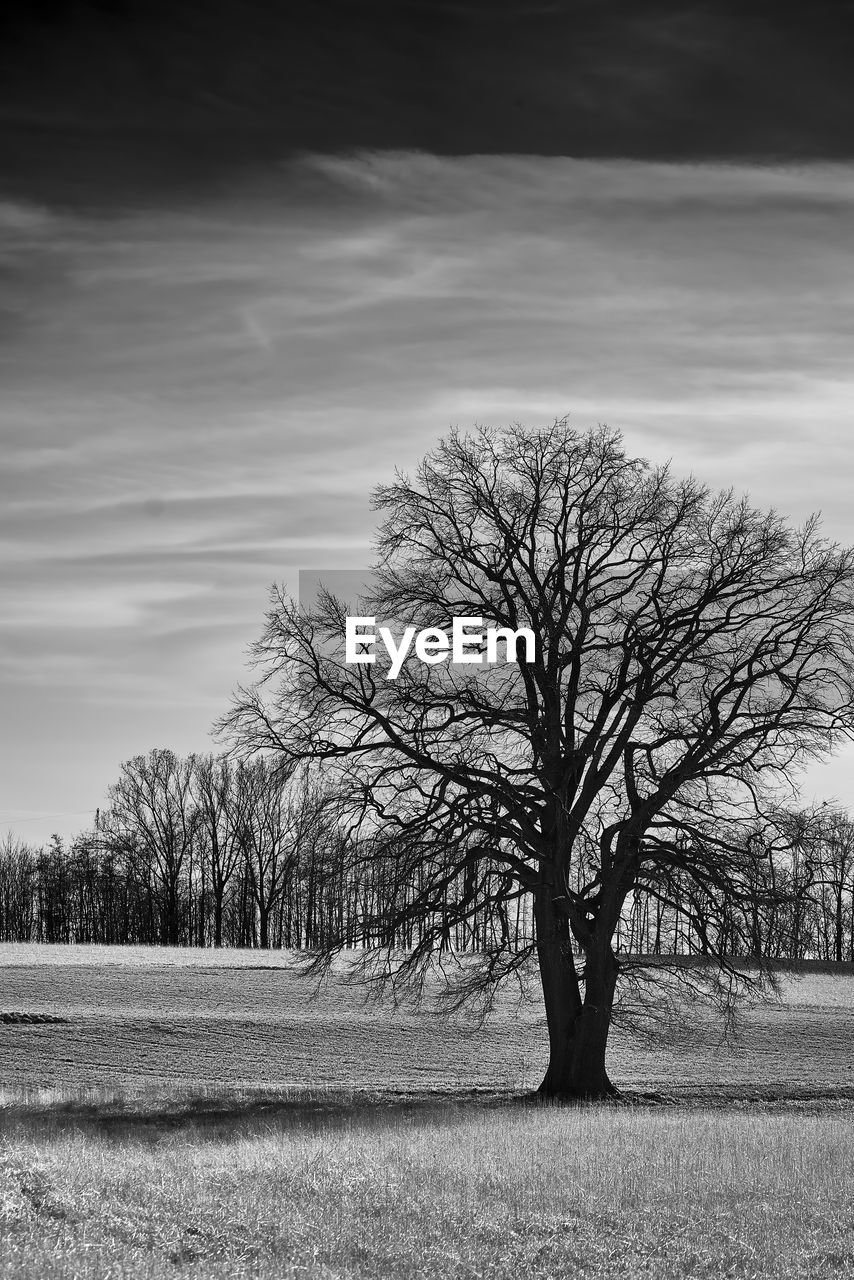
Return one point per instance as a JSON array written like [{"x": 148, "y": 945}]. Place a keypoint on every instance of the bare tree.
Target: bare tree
[
  {"x": 691, "y": 653},
  {"x": 838, "y": 881},
  {"x": 18, "y": 904},
  {"x": 153, "y": 817},
  {"x": 825, "y": 849},
  {"x": 219, "y": 828},
  {"x": 279, "y": 815}
]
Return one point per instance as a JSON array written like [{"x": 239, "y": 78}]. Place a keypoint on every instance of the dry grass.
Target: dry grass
[
  {"x": 218, "y": 1120},
  {"x": 533, "y": 1192}
]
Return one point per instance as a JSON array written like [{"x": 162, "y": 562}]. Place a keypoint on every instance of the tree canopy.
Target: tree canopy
[{"x": 692, "y": 653}]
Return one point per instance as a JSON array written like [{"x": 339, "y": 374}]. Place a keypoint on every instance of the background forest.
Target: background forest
[{"x": 204, "y": 851}]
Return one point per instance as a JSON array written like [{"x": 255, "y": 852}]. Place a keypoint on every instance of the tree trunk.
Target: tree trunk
[
  {"x": 173, "y": 923},
  {"x": 218, "y": 897},
  {"x": 578, "y": 1028}
]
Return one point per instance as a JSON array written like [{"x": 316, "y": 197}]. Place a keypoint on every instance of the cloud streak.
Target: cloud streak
[{"x": 199, "y": 401}]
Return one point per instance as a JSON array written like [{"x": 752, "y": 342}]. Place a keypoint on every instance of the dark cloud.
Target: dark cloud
[{"x": 106, "y": 103}]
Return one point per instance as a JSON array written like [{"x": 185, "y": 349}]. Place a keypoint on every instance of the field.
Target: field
[
  {"x": 539, "y": 1193},
  {"x": 205, "y": 1114},
  {"x": 138, "y": 1019}
]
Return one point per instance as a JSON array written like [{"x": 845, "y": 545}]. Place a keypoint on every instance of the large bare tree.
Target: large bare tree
[{"x": 691, "y": 654}]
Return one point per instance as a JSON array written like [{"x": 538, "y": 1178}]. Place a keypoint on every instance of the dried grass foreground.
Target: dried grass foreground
[{"x": 455, "y": 1192}]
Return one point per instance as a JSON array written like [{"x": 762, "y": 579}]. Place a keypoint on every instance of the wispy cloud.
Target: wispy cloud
[{"x": 197, "y": 402}]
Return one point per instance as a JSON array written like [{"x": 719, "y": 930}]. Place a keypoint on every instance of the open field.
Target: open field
[
  {"x": 203, "y": 1113},
  {"x": 539, "y": 1192},
  {"x": 139, "y": 1019}
]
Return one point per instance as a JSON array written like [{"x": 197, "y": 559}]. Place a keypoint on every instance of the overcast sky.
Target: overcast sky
[{"x": 198, "y": 396}]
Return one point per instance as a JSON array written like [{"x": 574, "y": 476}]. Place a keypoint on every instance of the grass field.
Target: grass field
[
  {"x": 602, "y": 1192},
  {"x": 203, "y": 1114}
]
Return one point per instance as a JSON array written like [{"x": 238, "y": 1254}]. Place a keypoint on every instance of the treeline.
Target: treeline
[
  {"x": 206, "y": 851},
  {"x": 801, "y": 909}
]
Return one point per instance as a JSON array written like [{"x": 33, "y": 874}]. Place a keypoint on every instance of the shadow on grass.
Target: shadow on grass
[
  {"x": 224, "y": 1114},
  {"x": 216, "y": 1115}
]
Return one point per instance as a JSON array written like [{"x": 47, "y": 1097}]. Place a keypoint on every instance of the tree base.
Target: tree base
[{"x": 603, "y": 1091}]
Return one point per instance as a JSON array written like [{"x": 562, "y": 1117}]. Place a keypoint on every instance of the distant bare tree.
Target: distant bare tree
[
  {"x": 219, "y": 828},
  {"x": 279, "y": 815},
  {"x": 825, "y": 850},
  {"x": 18, "y": 904},
  {"x": 153, "y": 817},
  {"x": 261, "y": 814}
]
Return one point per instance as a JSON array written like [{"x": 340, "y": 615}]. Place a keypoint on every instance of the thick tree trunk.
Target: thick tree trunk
[{"x": 578, "y": 1028}]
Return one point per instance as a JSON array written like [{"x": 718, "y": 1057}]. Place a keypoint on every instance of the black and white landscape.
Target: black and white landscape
[{"x": 539, "y": 313}]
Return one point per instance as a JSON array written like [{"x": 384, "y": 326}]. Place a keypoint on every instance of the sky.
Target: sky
[{"x": 202, "y": 381}]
